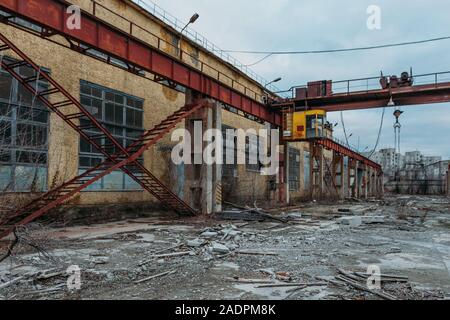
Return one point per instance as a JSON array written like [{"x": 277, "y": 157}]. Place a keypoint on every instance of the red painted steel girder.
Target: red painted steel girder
[
  {"x": 102, "y": 36},
  {"x": 118, "y": 162},
  {"x": 378, "y": 98},
  {"x": 65, "y": 108},
  {"x": 333, "y": 145}
]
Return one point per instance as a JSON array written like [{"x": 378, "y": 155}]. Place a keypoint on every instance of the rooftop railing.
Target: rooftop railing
[
  {"x": 363, "y": 85},
  {"x": 194, "y": 36}
]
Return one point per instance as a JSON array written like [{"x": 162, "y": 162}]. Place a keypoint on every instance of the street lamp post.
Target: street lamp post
[
  {"x": 273, "y": 81},
  {"x": 191, "y": 21},
  {"x": 266, "y": 94}
]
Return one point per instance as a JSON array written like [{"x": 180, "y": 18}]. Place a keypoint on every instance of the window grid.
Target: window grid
[
  {"x": 24, "y": 125},
  {"x": 122, "y": 115}
]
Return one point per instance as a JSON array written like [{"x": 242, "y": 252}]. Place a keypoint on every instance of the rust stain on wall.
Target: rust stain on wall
[{"x": 170, "y": 94}]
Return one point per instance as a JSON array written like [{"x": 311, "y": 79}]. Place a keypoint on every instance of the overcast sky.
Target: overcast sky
[{"x": 274, "y": 25}]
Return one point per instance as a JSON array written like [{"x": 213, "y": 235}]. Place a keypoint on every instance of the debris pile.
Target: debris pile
[{"x": 301, "y": 252}]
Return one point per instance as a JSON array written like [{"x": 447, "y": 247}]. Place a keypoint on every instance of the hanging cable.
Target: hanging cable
[
  {"x": 345, "y": 130},
  {"x": 259, "y": 61},
  {"x": 340, "y": 50},
  {"x": 379, "y": 133}
]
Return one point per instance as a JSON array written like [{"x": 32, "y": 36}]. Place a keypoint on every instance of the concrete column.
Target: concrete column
[
  {"x": 374, "y": 183},
  {"x": 365, "y": 181},
  {"x": 342, "y": 169},
  {"x": 357, "y": 184},
  {"x": 316, "y": 169},
  {"x": 203, "y": 182},
  {"x": 217, "y": 185},
  {"x": 338, "y": 174},
  {"x": 371, "y": 181},
  {"x": 379, "y": 184},
  {"x": 448, "y": 181},
  {"x": 282, "y": 172},
  {"x": 350, "y": 186}
]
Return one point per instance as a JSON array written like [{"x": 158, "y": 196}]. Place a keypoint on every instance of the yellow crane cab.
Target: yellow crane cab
[{"x": 304, "y": 125}]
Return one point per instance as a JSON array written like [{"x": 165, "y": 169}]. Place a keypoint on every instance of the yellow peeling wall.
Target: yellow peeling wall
[
  {"x": 68, "y": 68},
  {"x": 147, "y": 28}
]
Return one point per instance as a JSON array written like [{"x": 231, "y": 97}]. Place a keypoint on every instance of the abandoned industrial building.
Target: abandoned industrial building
[{"x": 91, "y": 92}]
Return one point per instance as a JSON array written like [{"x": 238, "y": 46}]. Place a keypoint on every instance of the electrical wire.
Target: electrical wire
[
  {"x": 379, "y": 133},
  {"x": 345, "y": 130},
  {"x": 339, "y": 50},
  {"x": 259, "y": 61}
]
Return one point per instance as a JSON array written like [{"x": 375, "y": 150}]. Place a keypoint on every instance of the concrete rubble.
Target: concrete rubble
[{"x": 322, "y": 251}]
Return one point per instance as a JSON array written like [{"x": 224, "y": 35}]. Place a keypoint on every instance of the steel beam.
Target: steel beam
[
  {"x": 332, "y": 145},
  {"x": 51, "y": 15},
  {"x": 378, "y": 98}
]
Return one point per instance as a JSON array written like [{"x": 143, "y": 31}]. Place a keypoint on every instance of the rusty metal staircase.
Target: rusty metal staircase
[{"x": 80, "y": 119}]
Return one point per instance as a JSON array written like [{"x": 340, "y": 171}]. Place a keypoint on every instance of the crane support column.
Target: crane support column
[
  {"x": 202, "y": 181},
  {"x": 338, "y": 173},
  {"x": 448, "y": 181},
  {"x": 282, "y": 173},
  {"x": 352, "y": 178},
  {"x": 365, "y": 182},
  {"x": 316, "y": 171}
]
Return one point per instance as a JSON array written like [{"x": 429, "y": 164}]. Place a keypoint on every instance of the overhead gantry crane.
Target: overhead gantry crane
[{"x": 125, "y": 49}]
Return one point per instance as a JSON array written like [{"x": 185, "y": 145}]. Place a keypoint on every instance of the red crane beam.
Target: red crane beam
[
  {"x": 377, "y": 98},
  {"x": 339, "y": 148},
  {"x": 51, "y": 15}
]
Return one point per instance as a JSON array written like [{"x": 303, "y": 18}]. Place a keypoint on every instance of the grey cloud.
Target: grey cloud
[{"x": 307, "y": 24}]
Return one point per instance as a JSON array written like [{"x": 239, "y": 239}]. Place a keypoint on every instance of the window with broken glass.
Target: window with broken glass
[
  {"x": 24, "y": 124},
  {"x": 122, "y": 115}
]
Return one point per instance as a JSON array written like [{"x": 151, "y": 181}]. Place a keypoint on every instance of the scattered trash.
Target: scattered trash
[
  {"x": 300, "y": 284},
  {"x": 283, "y": 276},
  {"x": 275, "y": 259},
  {"x": 256, "y": 253}
]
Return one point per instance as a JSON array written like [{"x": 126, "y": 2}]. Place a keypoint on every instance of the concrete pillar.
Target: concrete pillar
[
  {"x": 203, "y": 186},
  {"x": 448, "y": 181},
  {"x": 350, "y": 185},
  {"x": 217, "y": 185},
  {"x": 316, "y": 171},
  {"x": 338, "y": 174},
  {"x": 357, "y": 193},
  {"x": 371, "y": 182},
  {"x": 282, "y": 172},
  {"x": 365, "y": 182},
  {"x": 379, "y": 184}
]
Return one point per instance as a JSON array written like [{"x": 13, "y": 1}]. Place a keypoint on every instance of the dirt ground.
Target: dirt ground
[{"x": 322, "y": 252}]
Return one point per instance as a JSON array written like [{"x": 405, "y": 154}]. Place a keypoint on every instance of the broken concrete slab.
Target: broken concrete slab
[
  {"x": 353, "y": 221},
  {"x": 209, "y": 234},
  {"x": 100, "y": 260},
  {"x": 219, "y": 248},
  {"x": 195, "y": 243}
]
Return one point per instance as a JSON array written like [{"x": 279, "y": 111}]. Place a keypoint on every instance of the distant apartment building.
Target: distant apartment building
[
  {"x": 389, "y": 159},
  {"x": 413, "y": 172}
]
